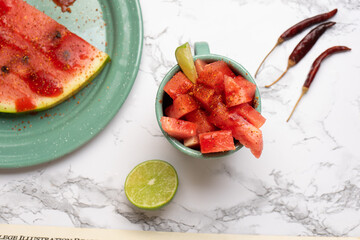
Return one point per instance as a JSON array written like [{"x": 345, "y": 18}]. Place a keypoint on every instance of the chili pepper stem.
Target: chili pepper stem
[
  {"x": 267, "y": 86},
  {"x": 303, "y": 92},
  {"x": 290, "y": 64},
  {"x": 280, "y": 40}
]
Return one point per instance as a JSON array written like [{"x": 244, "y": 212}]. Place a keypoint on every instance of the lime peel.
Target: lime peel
[{"x": 186, "y": 62}]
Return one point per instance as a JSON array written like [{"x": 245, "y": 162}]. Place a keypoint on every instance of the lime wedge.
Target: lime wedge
[
  {"x": 186, "y": 62},
  {"x": 151, "y": 184}
]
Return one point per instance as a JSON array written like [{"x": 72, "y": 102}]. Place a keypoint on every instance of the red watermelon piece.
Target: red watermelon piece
[
  {"x": 213, "y": 75},
  {"x": 249, "y": 114},
  {"x": 203, "y": 94},
  {"x": 199, "y": 117},
  {"x": 216, "y": 141},
  {"x": 247, "y": 134},
  {"x": 200, "y": 65},
  {"x": 220, "y": 116},
  {"x": 248, "y": 87},
  {"x": 182, "y": 105},
  {"x": 178, "y": 128},
  {"x": 178, "y": 84},
  {"x": 243, "y": 131},
  {"x": 238, "y": 90}
]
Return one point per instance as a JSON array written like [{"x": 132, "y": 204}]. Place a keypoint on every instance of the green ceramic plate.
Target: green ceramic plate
[{"x": 114, "y": 26}]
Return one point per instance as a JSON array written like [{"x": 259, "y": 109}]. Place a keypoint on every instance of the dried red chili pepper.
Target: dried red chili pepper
[
  {"x": 314, "y": 69},
  {"x": 298, "y": 28},
  {"x": 304, "y": 47}
]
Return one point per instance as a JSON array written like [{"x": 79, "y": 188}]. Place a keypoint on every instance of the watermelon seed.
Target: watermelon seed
[
  {"x": 57, "y": 34},
  {"x": 66, "y": 55},
  {"x": 25, "y": 59},
  {"x": 5, "y": 69}
]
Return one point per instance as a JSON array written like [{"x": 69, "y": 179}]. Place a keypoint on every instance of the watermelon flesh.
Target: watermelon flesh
[
  {"x": 216, "y": 141},
  {"x": 200, "y": 65},
  {"x": 243, "y": 131},
  {"x": 42, "y": 63},
  {"x": 246, "y": 111},
  {"x": 199, "y": 117},
  {"x": 182, "y": 105},
  {"x": 213, "y": 75},
  {"x": 178, "y": 128},
  {"x": 178, "y": 84},
  {"x": 238, "y": 90}
]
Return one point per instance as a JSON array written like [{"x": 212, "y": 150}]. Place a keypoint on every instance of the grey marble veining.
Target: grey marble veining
[{"x": 307, "y": 181}]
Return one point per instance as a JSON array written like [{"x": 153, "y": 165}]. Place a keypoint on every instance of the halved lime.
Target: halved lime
[
  {"x": 151, "y": 184},
  {"x": 186, "y": 62}
]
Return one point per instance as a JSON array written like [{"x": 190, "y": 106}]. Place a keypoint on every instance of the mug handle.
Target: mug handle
[{"x": 201, "y": 48}]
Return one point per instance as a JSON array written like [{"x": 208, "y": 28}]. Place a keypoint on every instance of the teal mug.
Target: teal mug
[{"x": 202, "y": 52}]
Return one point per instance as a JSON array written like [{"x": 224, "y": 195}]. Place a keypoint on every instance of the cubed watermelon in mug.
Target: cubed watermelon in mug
[{"x": 215, "y": 112}]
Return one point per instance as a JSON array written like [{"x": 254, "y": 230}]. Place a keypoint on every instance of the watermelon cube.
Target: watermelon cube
[
  {"x": 247, "y": 134},
  {"x": 238, "y": 90},
  {"x": 249, "y": 114},
  {"x": 177, "y": 128},
  {"x": 216, "y": 141},
  {"x": 213, "y": 75},
  {"x": 220, "y": 116},
  {"x": 182, "y": 105},
  {"x": 178, "y": 84},
  {"x": 200, "y": 65},
  {"x": 243, "y": 131},
  {"x": 204, "y": 95},
  {"x": 248, "y": 87},
  {"x": 200, "y": 119}
]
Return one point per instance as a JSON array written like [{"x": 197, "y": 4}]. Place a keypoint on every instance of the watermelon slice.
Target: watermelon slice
[{"x": 42, "y": 63}]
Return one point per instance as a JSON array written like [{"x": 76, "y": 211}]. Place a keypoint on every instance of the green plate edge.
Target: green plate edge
[{"x": 57, "y": 136}]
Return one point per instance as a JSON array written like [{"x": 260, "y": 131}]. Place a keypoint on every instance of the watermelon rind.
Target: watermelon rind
[{"x": 71, "y": 88}]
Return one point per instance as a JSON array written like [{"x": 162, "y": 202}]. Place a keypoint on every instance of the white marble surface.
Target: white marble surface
[{"x": 307, "y": 182}]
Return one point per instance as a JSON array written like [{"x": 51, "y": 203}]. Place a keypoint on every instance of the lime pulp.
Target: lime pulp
[{"x": 151, "y": 184}]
